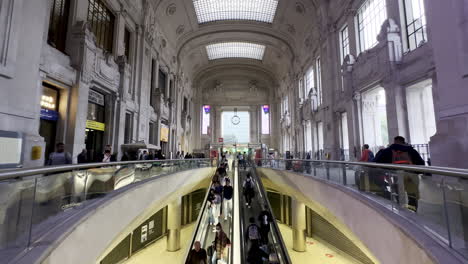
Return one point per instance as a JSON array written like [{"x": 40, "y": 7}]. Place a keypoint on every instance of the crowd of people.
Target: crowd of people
[{"x": 61, "y": 157}]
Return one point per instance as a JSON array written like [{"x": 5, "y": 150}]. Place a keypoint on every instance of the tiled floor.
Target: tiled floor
[
  {"x": 316, "y": 253},
  {"x": 157, "y": 253}
]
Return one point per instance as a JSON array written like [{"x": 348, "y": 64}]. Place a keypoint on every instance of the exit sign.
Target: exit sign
[{"x": 220, "y": 140}]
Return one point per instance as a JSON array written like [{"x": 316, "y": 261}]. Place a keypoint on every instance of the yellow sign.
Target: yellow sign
[
  {"x": 36, "y": 152},
  {"x": 164, "y": 134},
  {"x": 95, "y": 125}
]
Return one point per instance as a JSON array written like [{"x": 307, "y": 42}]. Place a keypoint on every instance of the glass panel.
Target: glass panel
[
  {"x": 55, "y": 195},
  {"x": 415, "y": 23},
  {"x": 457, "y": 210},
  {"x": 16, "y": 214},
  {"x": 235, "y": 127},
  {"x": 309, "y": 81},
  {"x": 344, "y": 38},
  {"x": 235, "y": 50},
  {"x": 102, "y": 21},
  {"x": 215, "y": 10},
  {"x": 370, "y": 18}
]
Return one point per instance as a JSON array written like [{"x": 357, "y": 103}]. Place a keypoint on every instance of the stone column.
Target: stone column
[
  {"x": 173, "y": 225},
  {"x": 299, "y": 226},
  {"x": 397, "y": 115}
]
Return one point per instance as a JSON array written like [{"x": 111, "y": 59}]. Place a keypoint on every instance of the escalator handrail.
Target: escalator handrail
[
  {"x": 46, "y": 171},
  {"x": 274, "y": 223},
  {"x": 454, "y": 172},
  {"x": 199, "y": 218}
]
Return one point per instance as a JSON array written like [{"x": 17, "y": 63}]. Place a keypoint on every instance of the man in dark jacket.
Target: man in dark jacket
[
  {"x": 403, "y": 154},
  {"x": 399, "y": 153},
  {"x": 265, "y": 218},
  {"x": 197, "y": 255}
]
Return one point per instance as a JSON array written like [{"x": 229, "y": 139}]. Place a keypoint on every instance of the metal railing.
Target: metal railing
[
  {"x": 435, "y": 199},
  {"x": 35, "y": 201}
]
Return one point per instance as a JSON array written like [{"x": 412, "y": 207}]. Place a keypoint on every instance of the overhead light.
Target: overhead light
[
  {"x": 235, "y": 50},
  {"x": 254, "y": 10}
]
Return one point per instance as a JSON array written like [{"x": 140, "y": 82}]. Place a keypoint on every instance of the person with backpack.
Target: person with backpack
[
  {"x": 367, "y": 155},
  {"x": 265, "y": 218},
  {"x": 252, "y": 233},
  {"x": 400, "y": 153},
  {"x": 248, "y": 190}
]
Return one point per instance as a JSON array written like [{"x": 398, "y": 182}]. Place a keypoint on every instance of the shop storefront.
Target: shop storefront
[
  {"x": 49, "y": 116},
  {"x": 95, "y": 125}
]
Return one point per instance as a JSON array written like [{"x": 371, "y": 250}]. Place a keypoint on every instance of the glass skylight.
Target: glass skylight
[
  {"x": 235, "y": 50},
  {"x": 215, "y": 10}
]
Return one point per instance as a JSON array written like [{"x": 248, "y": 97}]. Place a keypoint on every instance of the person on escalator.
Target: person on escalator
[
  {"x": 197, "y": 255},
  {"x": 248, "y": 190},
  {"x": 265, "y": 218},
  {"x": 221, "y": 242},
  {"x": 211, "y": 197},
  {"x": 256, "y": 255},
  {"x": 252, "y": 233},
  {"x": 216, "y": 207},
  {"x": 227, "y": 199},
  {"x": 210, "y": 251}
]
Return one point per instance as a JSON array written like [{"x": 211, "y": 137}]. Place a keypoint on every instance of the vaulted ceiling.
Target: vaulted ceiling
[{"x": 294, "y": 28}]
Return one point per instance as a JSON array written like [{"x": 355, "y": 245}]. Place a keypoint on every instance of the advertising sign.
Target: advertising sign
[
  {"x": 95, "y": 125},
  {"x": 11, "y": 149}
]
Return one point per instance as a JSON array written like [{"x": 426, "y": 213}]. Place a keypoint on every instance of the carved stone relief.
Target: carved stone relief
[
  {"x": 300, "y": 8},
  {"x": 180, "y": 29},
  {"x": 171, "y": 9}
]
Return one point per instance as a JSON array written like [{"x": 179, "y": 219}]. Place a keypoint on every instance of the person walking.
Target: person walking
[
  {"x": 227, "y": 199},
  {"x": 83, "y": 157},
  {"x": 197, "y": 255},
  {"x": 265, "y": 218},
  {"x": 107, "y": 156},
  {"x": 221, "y": 242},
  {"x": 401, "y": 153},
  {"x": 252, "y": 233},
  {"x": 367, "y": 155},
  {"x": 248, "y": 190},
  {"x": 59, "y": 157}
]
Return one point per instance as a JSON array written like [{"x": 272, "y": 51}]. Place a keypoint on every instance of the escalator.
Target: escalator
[
  {"x": 205, "y": 233},
  {"x": 275, "y": 248},
  {"x": 235, "y": 227}
]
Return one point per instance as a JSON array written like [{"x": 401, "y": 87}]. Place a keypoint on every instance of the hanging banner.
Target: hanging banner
[{"x": 164, "y": 134}]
